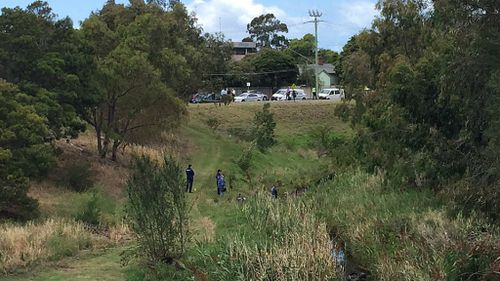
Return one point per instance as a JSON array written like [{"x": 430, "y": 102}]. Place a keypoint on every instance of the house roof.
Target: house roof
[
  {"x": 326, "y": 67},
  {"x": 244, "y": 45}
]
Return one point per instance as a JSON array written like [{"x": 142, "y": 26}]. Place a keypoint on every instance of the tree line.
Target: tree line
[
  {"x": 425, "y": 81},
  {"x": 125, "y": 72}
]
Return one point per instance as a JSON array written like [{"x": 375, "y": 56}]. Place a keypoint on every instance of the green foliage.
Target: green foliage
[
  {"x": 428, "y": 119},
  {"x": 326, "y": 141},
  {"x": 265, "y": 30},
  {"x": 270, "y": 60},
  {"x": 157, "y": 209},
  {"x": 245, "y": 159},
  {"x": 148, "y": 60},
  {"x": 61, "y": 245},
  {"x": 391, "y": 225},
  {"x": 23, "y": 151},
  {"x": 46, "y": 59},
  {"x": 213, "y": 123},
  {"x": 264, "y": 126},
  {"x": 302, "y": 49},
  {"x": 76, "y": 175},
  {"x": 91, "y": 212}
]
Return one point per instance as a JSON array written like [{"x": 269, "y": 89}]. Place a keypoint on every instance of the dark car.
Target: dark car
[{"x": 206, "y": 98}]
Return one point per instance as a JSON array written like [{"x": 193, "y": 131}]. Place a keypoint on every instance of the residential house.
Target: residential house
[
  {"x": 241, "y": 49},
  {"x": 327, "y": 76}
]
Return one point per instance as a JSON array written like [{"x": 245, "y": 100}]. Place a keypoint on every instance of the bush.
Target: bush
[
  {"x": 91, "y": 213},
  {"x": 14, "y": 201},
  {"x": 77, "y": 176},
  {"x": 157, "y": 209},
  {"x": 245, "y": 160},
  {"x": 264, "y": 126}
]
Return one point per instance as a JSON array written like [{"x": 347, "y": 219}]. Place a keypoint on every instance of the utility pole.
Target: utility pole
[{"x": 316, "y": 15}]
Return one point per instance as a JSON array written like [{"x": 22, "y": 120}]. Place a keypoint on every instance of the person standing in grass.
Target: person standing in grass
[
  {"x": 314, "y": 93},
  {"x": 217, "y": 180},
  {"x": 221, "y": 184},
  {"x": 274, "y": 192},
  {"x": 190, "y": 178}
]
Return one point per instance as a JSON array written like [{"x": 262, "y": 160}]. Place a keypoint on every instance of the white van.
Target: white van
[
  {"x": 281, "y": 95},
  {"x": 331, "y": 94}
]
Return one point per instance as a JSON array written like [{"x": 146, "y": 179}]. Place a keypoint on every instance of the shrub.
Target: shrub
[
  {"x": 14, "y": 201},
  {"x": 91, "y": 213},
  {"x": 24, "y": 151},
  {"x": 157, "y": 209},
  {"x": 77, "y": 176},
  {"x": 326, "y": 141},
  {"x": 264, "y": 126},
  {"x": 245, "y": 160}
]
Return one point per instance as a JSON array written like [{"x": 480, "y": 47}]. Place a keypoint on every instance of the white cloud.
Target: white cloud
[
  {"x": 358, "y": 14},
  {"x": 232, "y": 15}
]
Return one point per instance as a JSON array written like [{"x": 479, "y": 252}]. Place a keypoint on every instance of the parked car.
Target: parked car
[
  {"x": 331, "y": 94},
  {"x": 280, "y": 95},
  {"x": 261, "y": 95},
  {"x": 206, "y": 98},
  {"x": 247, "y": 97}
]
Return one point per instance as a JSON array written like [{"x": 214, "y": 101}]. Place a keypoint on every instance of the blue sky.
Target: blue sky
[{"x": 343, "y": 18}]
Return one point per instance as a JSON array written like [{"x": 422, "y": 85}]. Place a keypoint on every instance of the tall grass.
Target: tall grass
[
  {"x": 22, "y": 246},
  {"x": 404, "y": 234},
  {"x": 287, "y": 243}
]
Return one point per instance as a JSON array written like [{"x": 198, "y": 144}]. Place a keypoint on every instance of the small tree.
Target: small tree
[
  {"x": 245, "y": 161},
  {"x": 264, "y": 126},
  {"x": 157, "y": 209}
]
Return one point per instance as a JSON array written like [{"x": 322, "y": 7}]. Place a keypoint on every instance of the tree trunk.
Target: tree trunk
[
  {"x": 105, "y": 145},
  {"x": 114, "y": 149},
  {"x": 99, "y": 140}
]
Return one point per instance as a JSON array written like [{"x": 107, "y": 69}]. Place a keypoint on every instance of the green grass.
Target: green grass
[
  {"x": 101, "y": 265},
  {"x": 397, "y": 234}
]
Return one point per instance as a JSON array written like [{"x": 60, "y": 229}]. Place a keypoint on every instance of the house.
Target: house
[
  {"x": 327, "y": 76},
  {"x": 241, "y": 49}
]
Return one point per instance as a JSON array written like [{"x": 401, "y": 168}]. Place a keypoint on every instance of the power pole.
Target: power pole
[{"x": 316, "y": 15}]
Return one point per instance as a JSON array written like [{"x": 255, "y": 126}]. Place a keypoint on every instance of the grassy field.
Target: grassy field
[
  {"x": 394, "y": 234},
  {"x": 207, "y": 150}
]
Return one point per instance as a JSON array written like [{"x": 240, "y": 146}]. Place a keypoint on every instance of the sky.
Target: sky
[{"x": 342, "y": 18}]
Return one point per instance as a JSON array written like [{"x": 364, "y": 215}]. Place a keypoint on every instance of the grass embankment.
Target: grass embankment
[
  {"x": 399, "y": 234},
  {"x": 207, "y": 150},
  {"x": 396, "y": 234}
]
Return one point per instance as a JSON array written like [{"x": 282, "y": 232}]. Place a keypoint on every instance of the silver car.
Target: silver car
[
  {"x": 260, "y": 94},
  {"x": 247, "y": 97}
]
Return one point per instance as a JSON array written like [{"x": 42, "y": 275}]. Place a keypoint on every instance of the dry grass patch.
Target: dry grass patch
[
  {"x": 22, "y": 246},
  {"x": 204, "y": 230},
  {"x": 290, "y": 117},
  {"x": 296, "y": 245}
]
